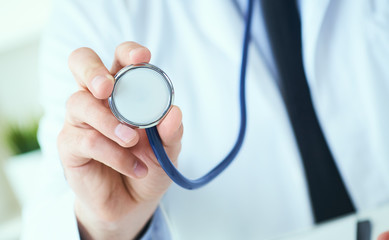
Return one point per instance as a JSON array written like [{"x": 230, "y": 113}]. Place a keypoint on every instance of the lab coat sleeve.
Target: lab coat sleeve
[
  {"x": 51, "y": 218},
  {"x": 50, "y": 215},
  {"x": 158, "y": 228},
  {"x": 377, "y": 34}
]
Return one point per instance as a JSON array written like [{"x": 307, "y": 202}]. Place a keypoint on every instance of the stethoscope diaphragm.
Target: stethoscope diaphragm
[{"x": 142, "y": 95}]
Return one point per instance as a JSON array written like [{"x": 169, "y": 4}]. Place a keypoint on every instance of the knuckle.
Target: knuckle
[
  {"x": 121, "y": 156},
  {"x": 64, "y": 143},
  {"x": 71, "y": 100},
  {"x": 76, "y": 54},
  {"x": 75, "y": 99},
  {"x": 79, "y": 51},
  {"x": 94, "y": 69},
  {"x": 61, "y": 139},
  {"x": 89, "y": 140},
  {"x": 149, "y": 155},
  {"x": 85, "y": 64}
]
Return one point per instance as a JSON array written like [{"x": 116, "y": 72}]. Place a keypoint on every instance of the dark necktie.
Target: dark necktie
[{"x": 328, "y": 195}]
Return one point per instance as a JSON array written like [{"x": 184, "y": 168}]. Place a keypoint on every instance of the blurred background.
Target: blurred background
[{"x": 21, "y": 25}]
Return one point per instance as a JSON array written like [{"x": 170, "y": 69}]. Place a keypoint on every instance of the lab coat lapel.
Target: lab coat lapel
[{"x": 313, "y": 14}]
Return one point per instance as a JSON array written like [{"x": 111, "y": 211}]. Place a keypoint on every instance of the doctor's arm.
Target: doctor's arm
[{"x": 110, "y": 167}]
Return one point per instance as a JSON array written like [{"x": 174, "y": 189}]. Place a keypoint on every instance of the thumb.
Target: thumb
[{"x": 171, "y": 131}]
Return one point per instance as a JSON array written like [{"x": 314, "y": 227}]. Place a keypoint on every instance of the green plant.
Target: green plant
[{"x": 22, "y": 138}]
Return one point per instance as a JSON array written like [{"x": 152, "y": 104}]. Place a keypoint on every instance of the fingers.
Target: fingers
[
  {"x": 88, "y": 144},
  {"x": 87, "y": 113},
  {"x": 90, "y": 72},
  {"x": 170, "y": 131},
  {"x": 129, "y": 53},
  {"x": 83, "y": 108}
]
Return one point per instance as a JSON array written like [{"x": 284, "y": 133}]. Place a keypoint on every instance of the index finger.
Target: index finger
[{"x": 90, "y": 72}]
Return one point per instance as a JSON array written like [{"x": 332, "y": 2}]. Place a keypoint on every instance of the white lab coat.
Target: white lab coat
[{"x": 198, "y": 43}]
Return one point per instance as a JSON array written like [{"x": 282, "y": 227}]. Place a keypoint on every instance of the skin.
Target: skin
[
  {"x": 383, "y": 236},
  {"x": 111, "y": 168},
  {"x": 116, "y": 178}
]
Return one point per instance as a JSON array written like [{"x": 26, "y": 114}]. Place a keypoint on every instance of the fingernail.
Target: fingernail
[
  {"x": 97, "y": 82},
  {"x": 140, "y": 170},
  {"x": 126, "y": 134}
]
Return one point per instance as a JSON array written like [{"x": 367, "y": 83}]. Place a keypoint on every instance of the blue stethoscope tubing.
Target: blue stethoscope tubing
[{"x": 157, "y": 146}]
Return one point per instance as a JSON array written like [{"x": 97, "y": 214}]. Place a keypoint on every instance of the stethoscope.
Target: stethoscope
[{"x": 145, "y": 86}]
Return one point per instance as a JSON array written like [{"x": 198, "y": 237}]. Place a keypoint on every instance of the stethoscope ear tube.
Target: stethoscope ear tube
[{"x": 156, "y": 142}]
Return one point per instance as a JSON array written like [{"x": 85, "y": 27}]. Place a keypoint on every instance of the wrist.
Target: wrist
[{"x": 127, "y": 226}]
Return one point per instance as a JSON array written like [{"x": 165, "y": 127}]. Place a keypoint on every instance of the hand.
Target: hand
[
  {"x": 383, "y": 236},
  {"x": 116, "y": 178}
]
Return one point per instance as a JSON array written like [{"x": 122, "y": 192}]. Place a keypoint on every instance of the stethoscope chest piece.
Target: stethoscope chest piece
[{"x": 142, "y": 95}]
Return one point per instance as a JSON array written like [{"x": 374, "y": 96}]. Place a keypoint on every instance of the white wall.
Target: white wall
[
  {"x": 19, "y": 91},
  {"x": 21, "y": 25}
]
